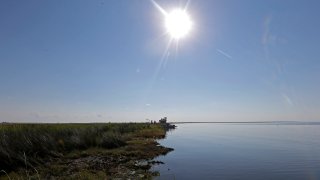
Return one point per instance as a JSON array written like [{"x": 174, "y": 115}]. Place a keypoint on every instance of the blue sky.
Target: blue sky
[{"x": 89, "y": 61}]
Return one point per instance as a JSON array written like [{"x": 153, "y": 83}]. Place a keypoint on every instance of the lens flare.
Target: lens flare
[{"x": 178, "y": 23}]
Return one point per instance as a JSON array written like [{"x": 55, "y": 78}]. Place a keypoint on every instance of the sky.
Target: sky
[{"x": 109, "y": 61}]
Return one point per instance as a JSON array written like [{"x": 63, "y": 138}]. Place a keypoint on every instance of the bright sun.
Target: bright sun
[{"x": 178, "y": 23}]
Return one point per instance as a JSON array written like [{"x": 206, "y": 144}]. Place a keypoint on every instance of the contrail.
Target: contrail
[
  {"x": 287, "y": 99},
  {"x": 224, "y": 53}
]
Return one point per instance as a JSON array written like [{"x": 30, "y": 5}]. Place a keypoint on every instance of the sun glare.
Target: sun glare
[{"x": 178, "y": 23}]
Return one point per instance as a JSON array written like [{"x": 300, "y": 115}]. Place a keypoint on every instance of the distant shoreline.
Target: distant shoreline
[
  {"x": 248, "y": 122},
  {"x": 175, "y": 122},
  {"x": 230, "y": 122}
]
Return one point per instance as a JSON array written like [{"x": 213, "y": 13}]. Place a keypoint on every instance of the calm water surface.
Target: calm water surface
[{"x": 242, "y": 151}]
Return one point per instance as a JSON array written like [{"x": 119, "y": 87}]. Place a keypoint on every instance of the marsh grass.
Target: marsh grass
[{"x": 30, "y": 145}]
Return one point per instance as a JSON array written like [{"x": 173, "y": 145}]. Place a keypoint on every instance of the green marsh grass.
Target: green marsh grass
[{"x": 30, "y": 145}]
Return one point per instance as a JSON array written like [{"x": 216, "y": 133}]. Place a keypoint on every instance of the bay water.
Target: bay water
[{"x": 260, "y": 151}]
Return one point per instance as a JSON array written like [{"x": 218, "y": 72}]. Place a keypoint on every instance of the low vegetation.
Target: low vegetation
[{"x": 73, "y": 151}]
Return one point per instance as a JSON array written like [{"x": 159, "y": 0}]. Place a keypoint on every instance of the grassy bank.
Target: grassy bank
[{"x": 85, "y": 151}]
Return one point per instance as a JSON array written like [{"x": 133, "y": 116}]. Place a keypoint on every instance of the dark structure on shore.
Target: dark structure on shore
[{"x": 163, "y": 122}]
